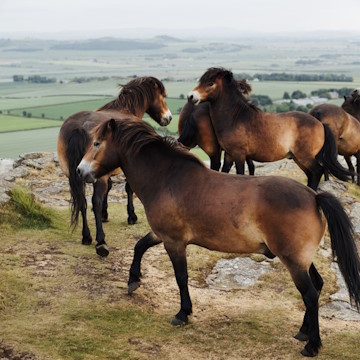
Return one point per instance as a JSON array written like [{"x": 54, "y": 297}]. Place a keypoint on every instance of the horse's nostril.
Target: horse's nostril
[
  {"x": 170, "y": 118},
  {"x": 190, "y": 97},
  {"x": 78, "y": 171}
]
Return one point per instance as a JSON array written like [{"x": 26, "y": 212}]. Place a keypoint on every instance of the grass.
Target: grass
[
  {"x": 14, "y": 123},
  {"x": 58, "y": 300}
]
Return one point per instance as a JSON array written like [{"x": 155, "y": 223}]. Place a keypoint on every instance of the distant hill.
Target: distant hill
[
  {"x": 108, "y": 44},
  {"x": 170, "y": 39}
]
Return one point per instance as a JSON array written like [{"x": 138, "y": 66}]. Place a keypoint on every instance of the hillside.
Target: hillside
[{"x": 58, "y": 299}]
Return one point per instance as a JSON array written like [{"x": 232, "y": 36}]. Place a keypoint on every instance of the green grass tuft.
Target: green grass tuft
[{"x": 29, "y": 213}]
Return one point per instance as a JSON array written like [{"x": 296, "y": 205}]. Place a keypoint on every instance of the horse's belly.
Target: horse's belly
[{"x": 245, "y": 239}]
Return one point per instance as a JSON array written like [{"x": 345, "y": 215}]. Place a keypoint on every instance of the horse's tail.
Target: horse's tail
[
  {"x": 76, "y": 145},
  {"x": 328, "y": 157},
  {"x": 187, "y": 127},
  {"x": 342, "y": 243}
]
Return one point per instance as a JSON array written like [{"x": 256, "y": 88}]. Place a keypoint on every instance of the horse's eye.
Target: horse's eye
[
  {"x": 96, "y": 144},
  {"x": 211, "y": 84}
]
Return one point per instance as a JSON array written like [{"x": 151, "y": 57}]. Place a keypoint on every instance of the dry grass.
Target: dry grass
[{"x": 58, "y": 300}]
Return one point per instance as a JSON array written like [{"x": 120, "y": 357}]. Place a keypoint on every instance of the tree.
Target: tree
[
  {"x": 286, "y": 95},
  {"x": 297, "y": 94},
  {"x": 24, "y": 113},
  {"x": 182, "y": 96}
]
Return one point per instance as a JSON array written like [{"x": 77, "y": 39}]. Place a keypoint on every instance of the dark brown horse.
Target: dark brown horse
[
  {"x": 144, "y": 94},
  {"x": 345, "y": 127},
  {"x": 269, "y": 215},
  {"x": 195, "y": 128},
  {"x": 245, "y": 131}
]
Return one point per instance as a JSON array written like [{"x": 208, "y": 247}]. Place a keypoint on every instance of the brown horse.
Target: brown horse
[
  {"x": 345, "y": 127},
  {"x": 144, "y": 94},
  {"x": 245, "y": 131},
  {"x": 269, "y": 215},
  {"x": 195, "y": 128}
]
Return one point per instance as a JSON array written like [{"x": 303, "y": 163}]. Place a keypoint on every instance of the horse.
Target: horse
[
  {"x": 244, "y": 131},
  {"x": 351, "y": 104},
  {"x": 195, "y": 128},
  {"x": 345, "y": 127},
  {"x": 143, "y": 94},
  {"x": 270, "y": 215}
]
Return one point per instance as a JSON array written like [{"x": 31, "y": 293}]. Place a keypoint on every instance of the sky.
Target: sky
[{"x": 190, "y": 18}]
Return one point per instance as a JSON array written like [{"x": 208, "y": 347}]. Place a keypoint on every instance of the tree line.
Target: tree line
[
  {"x": 36, "y": 79},
  {"x": 295, "y": 77}
]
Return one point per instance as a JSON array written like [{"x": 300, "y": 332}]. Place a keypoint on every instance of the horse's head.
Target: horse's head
[
  {"x": 153, "y": 92},
  {"x": 211, "y": 84},
  {"x": 101, "y": 157},
  {"x": 352, "y": 103}
]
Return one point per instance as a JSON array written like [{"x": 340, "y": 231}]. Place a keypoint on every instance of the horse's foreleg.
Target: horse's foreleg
[
  {"x": 228, "y": 162},
  {"x": 351, "y": 167},
  {"x": 215, "y": 160},
  {"x": 104, "y": 212},
  {"x": 100, "y": 189},
  {"x": 132, "y": 218},
  {"x": 177, "y": 253},
  {"x": 240, "y": 167},
  {"x": 141, "y": 247}
]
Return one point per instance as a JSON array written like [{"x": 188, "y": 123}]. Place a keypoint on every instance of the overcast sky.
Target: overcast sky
[{"x": 69, "y": 18}]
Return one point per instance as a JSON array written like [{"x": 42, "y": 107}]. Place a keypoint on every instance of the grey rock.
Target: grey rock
[{"x": 238, "y": 273}]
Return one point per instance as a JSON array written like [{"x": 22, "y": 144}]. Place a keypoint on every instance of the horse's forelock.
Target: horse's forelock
[{"x": 213, "y": 73}]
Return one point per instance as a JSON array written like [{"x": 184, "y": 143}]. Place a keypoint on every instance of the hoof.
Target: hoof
[
  {"x": 177, "y": 322},
  {"x": 301, "y": 336},
  {"x": 87, "y": 240},
  {"x": 308, "y": 353},
  {"x": 132, "y": 220},
  {"x": 102, "y": 250},
  {"x": 133, "y": 286}
]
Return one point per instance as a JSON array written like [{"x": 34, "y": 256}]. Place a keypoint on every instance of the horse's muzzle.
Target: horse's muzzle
[{"x": 84, "y": 170}]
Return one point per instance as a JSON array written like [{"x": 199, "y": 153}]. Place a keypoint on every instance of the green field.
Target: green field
[
  {"x": 14, "y": 123},
  {"x": 178, "y": 64}
]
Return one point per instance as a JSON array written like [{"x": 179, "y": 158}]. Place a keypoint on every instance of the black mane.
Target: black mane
[{"x": 134, "y": 136}]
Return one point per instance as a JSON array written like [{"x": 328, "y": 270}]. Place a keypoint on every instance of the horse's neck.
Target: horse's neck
[
  {"x": 116, "y": 106},
  {"x": 144, "y": 172},
  {"x": 226, "y": 110}
]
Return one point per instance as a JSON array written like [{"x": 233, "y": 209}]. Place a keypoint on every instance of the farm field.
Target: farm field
[
  {"x": 87, "y": 79},
  {"x": 14, "y": 123}
]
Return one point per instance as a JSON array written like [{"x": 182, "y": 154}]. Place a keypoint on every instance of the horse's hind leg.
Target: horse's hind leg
[
  {"x": 86, "y": 236},
  {"x": 310, "y": 296},
  {"x": 141, "y": 247},
  {"x": 316, "y": 172},
  {"x": 357, "y": 168},
  {"x": 251, "y": 166},
  {"x": 215, "y": 160},
  {"x": 104, "y": 212},
  {"x": 132, "y": 218},
  {"x": 350, "y": 166},
  {"x": 177, "y": 253},
  {"x": 318, "y": 283},
  {"x": 100, "y": 189}
]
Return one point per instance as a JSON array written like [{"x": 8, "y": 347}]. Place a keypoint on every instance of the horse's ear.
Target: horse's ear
[
  {"x": 228, "y": 76},
  {"x": 112, "y": 125}
]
